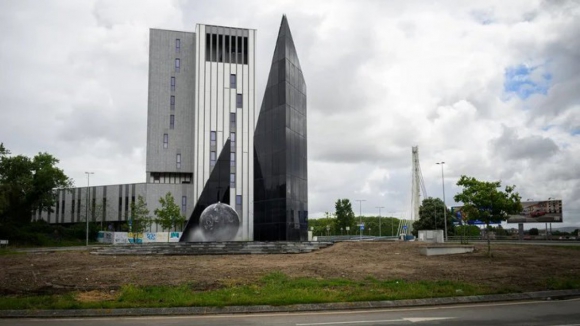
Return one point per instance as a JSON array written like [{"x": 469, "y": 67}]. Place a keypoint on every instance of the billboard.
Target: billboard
[
  {"x": 547, "y": 211},
  {"x": 460, "y": 217}
]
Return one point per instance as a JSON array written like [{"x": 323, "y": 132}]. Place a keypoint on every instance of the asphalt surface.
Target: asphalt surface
[
  {"x": 229, "y": 310},
  {"x": 529, "y": 313}
]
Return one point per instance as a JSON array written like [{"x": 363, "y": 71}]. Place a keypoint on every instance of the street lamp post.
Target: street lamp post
[
  {"x": 444, "y": 205},
  {"x": 379, "y": 207},
  {"x": 87, "y": 208},
  {"x": 360, "y": 216},
  {"x": 548, "y": 209}
]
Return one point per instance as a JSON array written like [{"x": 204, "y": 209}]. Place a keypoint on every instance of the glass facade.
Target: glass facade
[{"x": 280, "y": 165}]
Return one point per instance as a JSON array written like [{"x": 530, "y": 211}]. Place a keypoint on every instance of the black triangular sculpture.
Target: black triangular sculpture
[
  {"x": 217, "y": 189},
  {"x": 280, "y": 151}
]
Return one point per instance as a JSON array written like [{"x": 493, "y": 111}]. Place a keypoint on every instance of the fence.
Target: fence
[{"x": 128, "y": 237}]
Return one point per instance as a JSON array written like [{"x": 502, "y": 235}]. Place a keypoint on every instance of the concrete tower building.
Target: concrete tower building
[
  {"x": 201, "y": 111},
  {"x": 201, "y": 146}
]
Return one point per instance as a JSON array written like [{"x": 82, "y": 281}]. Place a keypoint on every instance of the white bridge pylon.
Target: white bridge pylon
[{"x": 417, "y": 187}]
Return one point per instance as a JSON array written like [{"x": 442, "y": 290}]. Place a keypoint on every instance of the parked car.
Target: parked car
[{"x": 537, "y": 213}]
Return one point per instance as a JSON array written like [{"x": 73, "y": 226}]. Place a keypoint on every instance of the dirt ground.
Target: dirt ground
[{"x": 514, "y": 267}]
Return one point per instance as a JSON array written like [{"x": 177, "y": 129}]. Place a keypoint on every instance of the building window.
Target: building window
[
  {"x": 212, "y": 158},
  {"x": 232, "y": 159},
  {"x": 239, "y": 200},
  {"x": 232, "y": 140},
  {"x": 239, "y": 101},
  {"x": 177, "y": 65},
  {"x": 172, "y": 121},
  {"x": 177, "y": 45},
  {"x": 232, "y": 121},
  {"x": 178, "y": 160},
  {"x": 172, "y": 102},
  {"x": 165, "y": 140},
  {"x": 183, "y": 204},
  {"x": 233, "y": 82},
  {"x": 232, "y": 180},
  {"x": 173, "y": 84},
  {"x": 212, "y": 138}
]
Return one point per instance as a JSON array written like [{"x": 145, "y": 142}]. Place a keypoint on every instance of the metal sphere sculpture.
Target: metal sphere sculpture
[{"x": 219, "y": 222}]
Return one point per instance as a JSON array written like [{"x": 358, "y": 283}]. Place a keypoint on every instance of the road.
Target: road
[{"x": 534, "y": 313}]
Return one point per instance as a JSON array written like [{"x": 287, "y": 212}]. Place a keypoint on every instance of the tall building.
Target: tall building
[
  {"x": 201, "y": 118},
  {"x": 201, "y": 144},
  {"x": 281, "y": 172}
]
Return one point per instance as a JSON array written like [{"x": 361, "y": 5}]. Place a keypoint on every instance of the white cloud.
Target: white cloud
[{"x": 382, "y": 76}]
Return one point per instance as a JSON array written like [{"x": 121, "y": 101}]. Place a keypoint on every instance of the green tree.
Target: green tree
[
  {"x": 140, "y": 218},
  {"x": 533, "y": 231},
  {"x": 431, "y": 216},
  {"x": 169, "y": 215},
  {"x": 344, "y": 214},
  {"x": 500, "y": 231},
  {"x": 3, "y": 189},
  {"x": 483, "y": 201},
  {"x": 27, "y": 184},
  {"x": 468, "y": 230}
]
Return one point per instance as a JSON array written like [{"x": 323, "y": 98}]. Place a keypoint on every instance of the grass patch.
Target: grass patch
[
  {"x": 273, "y": 289},
  {"x": 561, "y": 283},
  {"x": 568, "y": 247},
  {"x": 9, "y": 252}
]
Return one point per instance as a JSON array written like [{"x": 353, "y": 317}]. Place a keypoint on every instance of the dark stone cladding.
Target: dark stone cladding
[
  {"x": 217, "y": 189},
  {"x": 280, "y": 165}
]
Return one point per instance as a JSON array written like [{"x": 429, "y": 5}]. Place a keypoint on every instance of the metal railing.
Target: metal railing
[{"x": 324, "y": 238}]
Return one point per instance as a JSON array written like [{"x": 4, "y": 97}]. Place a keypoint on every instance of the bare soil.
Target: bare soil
[{"x": 513, "y": 267}]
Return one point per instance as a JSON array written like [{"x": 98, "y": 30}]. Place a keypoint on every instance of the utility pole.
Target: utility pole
[
  {"x": 444, "y": 205},
  {"x": 360, "y": 216},
  {"x": 87, "y": 208},
  {"x": 379, "y": 207}
]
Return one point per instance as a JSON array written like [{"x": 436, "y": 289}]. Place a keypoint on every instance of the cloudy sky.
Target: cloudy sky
[{"x": 490, "y": 87}]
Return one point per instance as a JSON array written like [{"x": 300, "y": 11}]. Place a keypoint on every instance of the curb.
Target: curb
[{"x": 541, "y": 295}]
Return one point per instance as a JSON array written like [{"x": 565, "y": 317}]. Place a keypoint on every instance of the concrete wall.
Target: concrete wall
[
  {"x": 162, "y": 56},
  {"x": 434, "y": 236}
]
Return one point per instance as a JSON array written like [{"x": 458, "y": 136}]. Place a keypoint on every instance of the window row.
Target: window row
[
  {"x": 213, "y": 135},
  {"x": 226, "y": 48},
  {"x": 169, "y": 177}
]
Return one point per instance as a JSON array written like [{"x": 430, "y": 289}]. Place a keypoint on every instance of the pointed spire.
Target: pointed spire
[
  {"x": 280, "y": 156},
  {"x": 285, "y": 44}
]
